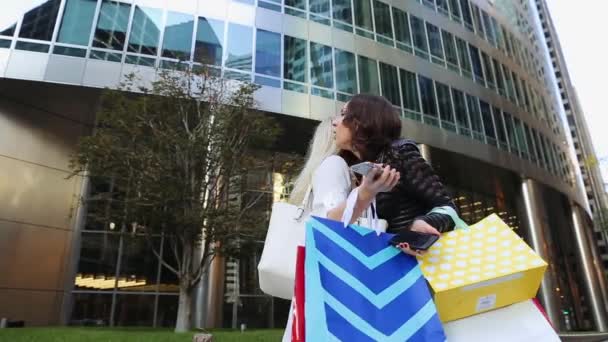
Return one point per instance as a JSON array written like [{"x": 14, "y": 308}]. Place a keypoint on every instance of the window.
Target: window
[
  {"x": 443, "y": 7},
  {"x": 368, "y": 76},
  {"x": 319, "y": 11},
  {"x": 466, "y": 14},
  {"x": 488, "y": 28},
  {"x": 507, "y": 38},
  {"x": 460, "y": 107},
  {"x": 39, "y": 22},
  {"x": 145, "y": 31},
  {"x": 463, "y": 57},
  {"x": 451, "y": 54},
  {"x": 510, "y": 89},
  {"x": 390, "y": 83},
  {"x": 427, "y": 94},
  {"x": 346, "y": 75},
  {"x": 542, "y": 161},
  {"x": 477, "y": 69},
  {"x": 409, "y": 91},
  {"x": 177, "y": 41},
  {"x": 488, "y": 124},
  {"x": 478, "y": 23},
  {"x": 296, "y": 8},
  {"x": 531, "y": 149},
  {"x": 112, "y": 25},
  {"x": 500, "y": 82},
  {"x": 476, "y": 122},
  {"x": 343, "y": 15},
  {"x": 455, "y": 10},
  {"x": 419, "y": 35},
  {"x": 435, "y": 44},
  {"x": 208, "y": 48},
  {"x": 321, "y": 69},
  {"x": 498, "y": 33},
  {"x": 445, "y": 107},
  {"x": 516, "y": 87},
  {"x": 511, "y": 133},
  {"x": 239, "y": 47},
  {"x": 402, "y": 30},
  {"x": 295, "y": 63},
  {"x": 268, "y": 57},
  {"x": 384, "y": 28},
  {"x": 487, "y": 64},
  {"x": 363, "y": 18},
  {"x": 501, "y": 134},
  {"x": 77, "y": 22}
]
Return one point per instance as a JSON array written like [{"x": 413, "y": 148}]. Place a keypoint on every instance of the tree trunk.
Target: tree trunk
[{"x": 184, "y": 308}]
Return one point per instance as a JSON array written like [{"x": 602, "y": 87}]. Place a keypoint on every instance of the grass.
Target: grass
[{"x": 63, "y": 334}]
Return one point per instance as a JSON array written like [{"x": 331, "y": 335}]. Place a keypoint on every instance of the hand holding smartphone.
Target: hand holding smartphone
[
  {"x": 416, "y": 241},
  {"x": 364, "y": 168}
]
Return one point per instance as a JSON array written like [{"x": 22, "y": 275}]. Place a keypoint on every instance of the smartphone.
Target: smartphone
[
  {"x": 363, "y": 168},
  {"x": 417, "y": 241}
]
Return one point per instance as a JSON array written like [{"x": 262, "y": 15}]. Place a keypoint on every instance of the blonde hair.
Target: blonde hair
[{"x": 321, "y": 146}]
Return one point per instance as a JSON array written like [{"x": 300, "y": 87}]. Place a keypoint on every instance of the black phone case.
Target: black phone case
[{"x": 429, "y": 240}]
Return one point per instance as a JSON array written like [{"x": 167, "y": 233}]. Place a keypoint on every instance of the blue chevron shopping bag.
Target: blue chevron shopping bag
[{"x": 359, "y": 288}]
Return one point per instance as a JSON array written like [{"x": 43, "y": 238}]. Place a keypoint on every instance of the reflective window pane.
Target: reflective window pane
[
  {"x": 177, "y": 41},
  {"x": 368, "y": 76},
  {"x": 382, "y": 14},
  {"x": 531, "y": 149},
  {"x": 209, "y": 43},
  {"x": 90, "y": 308},
  {"x": 455, "y": 9},
  {"x": 343, "y": 11},
  {"x": 11, "y": 12},
  {"x": 476, "y": 62},
  {"x": 402, "y": 28},
  {"x": 295, "y": 63},
  {"x": 462, "y": 118},
  {"x": 445, "y": 106},
  {"x": 268, "y": 53},
  {"x": 449, "y": 46},
  {"x": 321, "y": 65},
  {"x": 488, "y": 124},
  {"x": 346, "y": 75},
  {"x": 500, "y": 83},
  {"x": 97, "y": 262},
  {"x": 138, "y": 265},
  {"x": 145, "y": 31},
  {"x": 409, "y": 90},
  {"x": 319, "y": 10},
  {"x": 390, "y": 83},
  {"x": 521, "y": 138},
  {"x": 419, "y": 37},
  {"x": 463, "y": 56},
  {"x": 427, "y": 94},
  {"x": 466, "y": 14},
  {"x": 477, "y": 19},
  {"x": 434, "y": 41},
  {"x": 500, "y": 127},
  {"x": 39, "y": 22},
  {"x": 240, "y": 41},
  {"x": 112, "y": 25},
  {"x": 488, "y": 27},
  {"x": 77, "y": 22},
  {"x": 134, "y": 310},
  {"x": 363, "y": 14},
  {"x": 511, "y": 132},
  {"x": 475, "y": 115},
  {"x": 489, "y": 73}
]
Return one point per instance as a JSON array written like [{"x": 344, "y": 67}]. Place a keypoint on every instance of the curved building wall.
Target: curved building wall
[{"x": 467, "y": 76}]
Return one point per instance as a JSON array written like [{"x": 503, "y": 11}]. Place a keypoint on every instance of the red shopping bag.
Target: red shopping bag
[{"x": 298, "y": 327}]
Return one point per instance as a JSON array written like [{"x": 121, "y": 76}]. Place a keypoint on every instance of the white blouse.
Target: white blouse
[{"x": 331, "y": 185}]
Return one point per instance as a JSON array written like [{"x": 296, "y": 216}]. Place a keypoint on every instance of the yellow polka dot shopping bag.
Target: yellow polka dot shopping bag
[{"x": 480, "y": 268}]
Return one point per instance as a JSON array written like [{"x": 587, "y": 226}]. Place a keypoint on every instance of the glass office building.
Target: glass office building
[{"x": 470, "y": 78}]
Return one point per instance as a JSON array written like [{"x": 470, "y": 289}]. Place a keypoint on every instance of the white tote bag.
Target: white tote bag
[{"x": 277, "y": 267}]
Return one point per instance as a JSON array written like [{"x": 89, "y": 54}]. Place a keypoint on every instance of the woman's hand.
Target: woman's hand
[
  {"x": 422, "y": 227},
  {"x": 378, "y": 180}
]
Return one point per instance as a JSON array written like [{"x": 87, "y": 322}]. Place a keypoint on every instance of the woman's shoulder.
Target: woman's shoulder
[{"x": 334, "y": 161}]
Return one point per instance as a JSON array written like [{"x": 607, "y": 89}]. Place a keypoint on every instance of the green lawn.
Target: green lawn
[{"x": 61, "y": 334}]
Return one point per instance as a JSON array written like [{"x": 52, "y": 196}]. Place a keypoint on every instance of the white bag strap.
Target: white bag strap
[
  {"x": 302, "y": 207},
  {"x": 447, "y": 210},
  {"x": 372, "y": 218}
]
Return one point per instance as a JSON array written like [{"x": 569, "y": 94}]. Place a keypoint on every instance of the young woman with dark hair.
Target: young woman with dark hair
[{"x": 368, "y": 129}]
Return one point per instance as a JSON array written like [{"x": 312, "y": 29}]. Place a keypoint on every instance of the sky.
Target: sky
[{"x": 582, "y": 28}]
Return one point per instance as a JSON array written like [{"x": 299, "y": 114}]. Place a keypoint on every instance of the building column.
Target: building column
[
  {"x": 425, "y": 151},
  {"x": 588, "y": 263},
  {"x": 597, "y": 262},
  {"x": 538, "y": 231}
]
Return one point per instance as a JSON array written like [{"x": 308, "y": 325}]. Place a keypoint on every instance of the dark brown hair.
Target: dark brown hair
[{"x": 374, "y": 124}]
